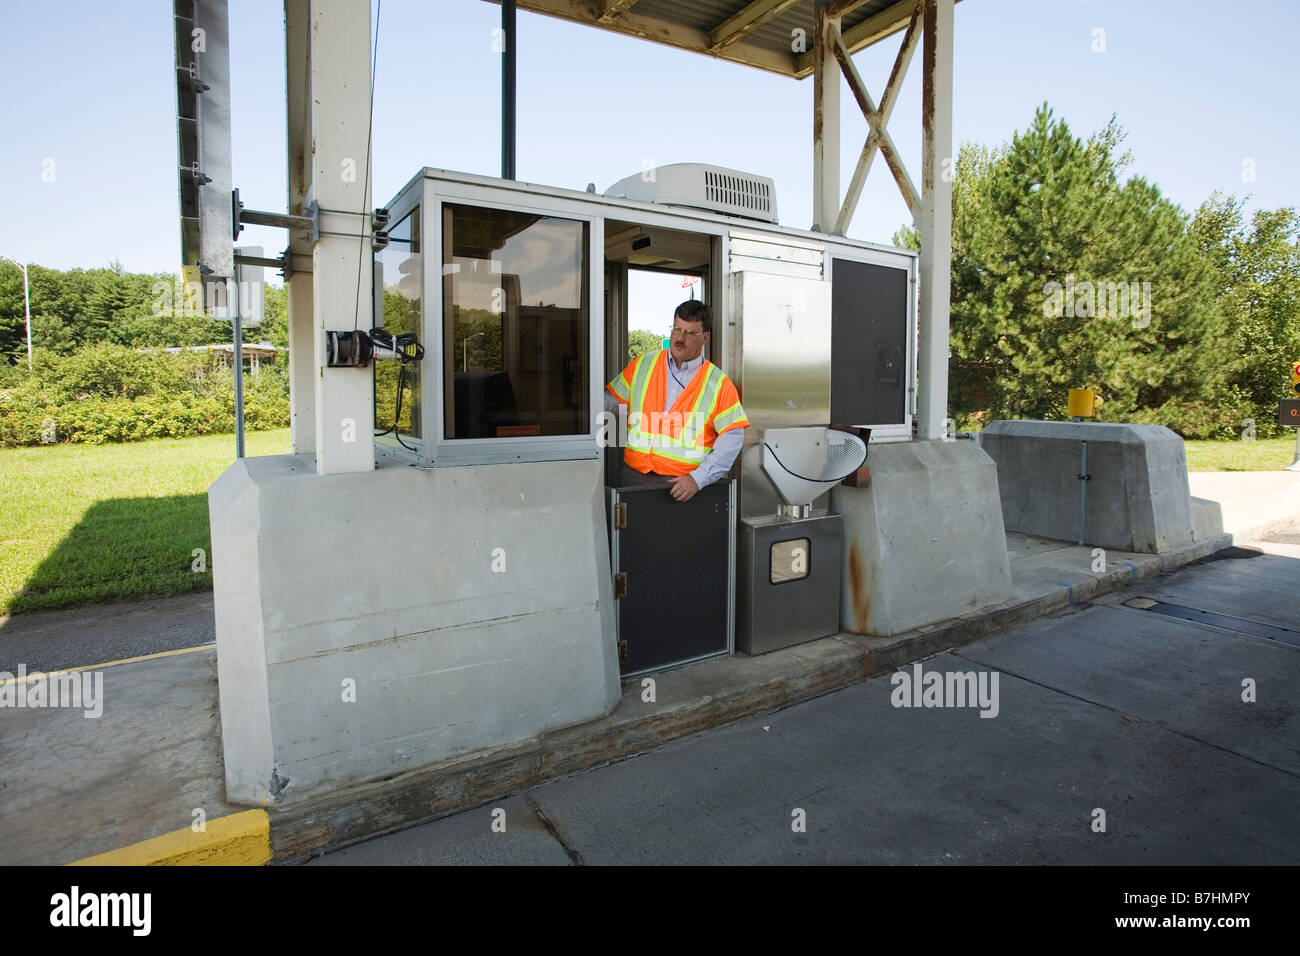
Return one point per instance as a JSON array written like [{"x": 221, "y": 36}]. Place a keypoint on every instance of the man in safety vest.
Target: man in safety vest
[{"x": 685, "y": 424}]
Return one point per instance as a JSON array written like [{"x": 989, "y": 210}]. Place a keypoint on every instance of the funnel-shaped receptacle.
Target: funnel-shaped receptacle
[{"x": 805, "y": 463}]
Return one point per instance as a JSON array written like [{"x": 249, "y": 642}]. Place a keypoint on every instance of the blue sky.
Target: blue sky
[{"x": 88, "y": 96}]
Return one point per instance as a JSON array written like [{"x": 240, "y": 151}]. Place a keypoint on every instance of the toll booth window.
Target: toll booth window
[
  {"x": 516, "y": 323},
  {"x": 399, "y": 273}
]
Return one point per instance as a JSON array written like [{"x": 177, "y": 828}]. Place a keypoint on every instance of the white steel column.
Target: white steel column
[
  {"x": 935, "y": 221},
  {"x": 342, "y": 266},
  {"x": 826, "y": 122},
  {"x": 303, "y": 370}
]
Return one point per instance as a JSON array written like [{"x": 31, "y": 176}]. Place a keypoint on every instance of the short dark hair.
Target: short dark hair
[{"x": 693, "y": 310}]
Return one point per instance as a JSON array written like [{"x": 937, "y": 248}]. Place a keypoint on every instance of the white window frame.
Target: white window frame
[{"x": 441, "y": 450}]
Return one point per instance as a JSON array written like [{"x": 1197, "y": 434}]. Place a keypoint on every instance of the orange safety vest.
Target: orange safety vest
[{"x": 675, "y": 442}]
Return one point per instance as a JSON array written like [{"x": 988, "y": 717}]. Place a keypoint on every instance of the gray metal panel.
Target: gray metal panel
[
  {"x": 772, "y": 616},
  {"x": 787, "y": 349},
  {"x": 783, "y": 339},
  {"x": 187, "y": 131},
  {"x": 203, "y": 137},
  {"x": 870, "y": 374}
]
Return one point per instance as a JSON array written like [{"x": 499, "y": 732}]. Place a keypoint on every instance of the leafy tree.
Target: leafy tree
[
  {"x": 1257, "y": 270},
  {"x": 639, "y": 341},
  {"x": 86, "y": 306},
  {"x": 275, "y": 317},
  {"x": 1063, "y": 275}
]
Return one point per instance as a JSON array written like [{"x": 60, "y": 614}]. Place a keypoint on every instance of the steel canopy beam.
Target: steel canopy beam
[
  {"x": 877, "y": 121},
  {"x": 934, "y": 224},
  {"x": 303, "y": 371},
  {"x": 610, "y": 10},
  {"x": 871, "y": 30},
  {"x": 826, "y": 121},
  {"x": 631, "y": 23},
  {"x": 749, "y": 19}
]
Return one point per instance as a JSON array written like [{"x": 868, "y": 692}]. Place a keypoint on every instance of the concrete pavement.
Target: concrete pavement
[
  {"x": 151, "y": 765},
  {"x": 1121, "y": 737}
]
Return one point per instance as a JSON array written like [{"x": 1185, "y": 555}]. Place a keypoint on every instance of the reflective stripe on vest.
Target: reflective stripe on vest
[{"x": 682, "y": 436}]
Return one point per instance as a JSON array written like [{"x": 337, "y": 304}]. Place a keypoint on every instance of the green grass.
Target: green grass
[
  {"x": 1270, "y": 454},
  {"x": 86, "y": 523}
]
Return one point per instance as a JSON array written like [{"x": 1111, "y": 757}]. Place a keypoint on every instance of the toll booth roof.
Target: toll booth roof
[{"x": 772, "y": 35}]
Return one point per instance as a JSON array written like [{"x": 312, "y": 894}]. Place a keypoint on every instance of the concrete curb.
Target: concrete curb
[
  {"x": 241, "y": 839},
  {"x": 690, "y": 700}
]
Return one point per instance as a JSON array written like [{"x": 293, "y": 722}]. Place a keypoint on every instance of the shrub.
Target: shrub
[{"x": 103, "y": 393}]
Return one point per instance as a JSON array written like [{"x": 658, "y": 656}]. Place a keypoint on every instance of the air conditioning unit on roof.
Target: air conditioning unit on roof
[{"x": 699, "y": 186}]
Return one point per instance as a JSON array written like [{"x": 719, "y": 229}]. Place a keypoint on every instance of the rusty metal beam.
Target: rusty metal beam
[
  {"x": 843, "y": 7},
  {"x": 631, "y": 23},
  {"x": 934, "y": 221},
  {"x": 871, "y": 30},
  {"x": 611, "y": 10},
  {"x": 750, "y": 18},
  {"x": 905, "y": 184},
  {"x": 299, "y": 290},
  {"x": 878, "y": 124},
  {"x": 878, "y": 137},
  {"x": 901, "y": 62},
  {"x": 826, "y": 121}
]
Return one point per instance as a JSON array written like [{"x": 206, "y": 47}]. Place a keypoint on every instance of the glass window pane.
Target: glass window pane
[
  {"x": 400, "y": 264},
  {"x": 516, "y": 323},
  {"x": 789, "y": 560}
]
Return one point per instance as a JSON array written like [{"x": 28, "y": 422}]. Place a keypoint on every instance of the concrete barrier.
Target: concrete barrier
[
  {"x": 1137, "y": 493},
  {"x": 924, "y": 541},
  {"x": 369, "y": 624}
]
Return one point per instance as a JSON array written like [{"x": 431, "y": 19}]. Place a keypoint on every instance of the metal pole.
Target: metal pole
[
  {"x": 1295, "y": 465},
  {"x": 826, "y": 121},
  {"x": 239, "y": 372},
  {"x": 27, "y": 307},
  {"x": 934, "y": 285},
  {"x": 508, "y": 90}
]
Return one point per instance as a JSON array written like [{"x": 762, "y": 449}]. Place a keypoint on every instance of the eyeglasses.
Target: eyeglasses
[{"x": 688, "y": 334}]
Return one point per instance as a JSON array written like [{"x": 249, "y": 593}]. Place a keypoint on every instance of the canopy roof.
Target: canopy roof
[{"x": 758, "y": 33}]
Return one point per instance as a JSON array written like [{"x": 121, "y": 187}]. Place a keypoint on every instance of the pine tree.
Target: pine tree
[{"x": 1066, "y": 275}]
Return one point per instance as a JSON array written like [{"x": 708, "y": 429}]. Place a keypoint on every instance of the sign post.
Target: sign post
[{"x": 245, "y": 302}]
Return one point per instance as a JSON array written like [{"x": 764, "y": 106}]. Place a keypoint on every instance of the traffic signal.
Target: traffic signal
[{"x": 1295, "y": 377}]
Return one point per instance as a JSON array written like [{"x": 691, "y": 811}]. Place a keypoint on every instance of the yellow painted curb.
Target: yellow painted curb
[
  {"x": 95, "y": 667},
  {"x": 241, "y": 839}
]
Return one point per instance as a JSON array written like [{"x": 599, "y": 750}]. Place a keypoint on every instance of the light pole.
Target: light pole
[
  {"x": 27, "y": 306},
  {"x": 464, "y": 350}
]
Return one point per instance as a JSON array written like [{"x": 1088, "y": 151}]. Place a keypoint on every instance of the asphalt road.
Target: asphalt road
[
  {"x": 84, "y": 636},
  {"x": 1122, "y": 736}
]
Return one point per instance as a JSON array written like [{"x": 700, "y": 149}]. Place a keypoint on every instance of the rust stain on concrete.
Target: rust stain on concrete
[{"x": 858, "y": 588}]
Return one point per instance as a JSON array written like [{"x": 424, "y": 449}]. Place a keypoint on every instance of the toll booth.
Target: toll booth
[
  {"x": 469, "y": 574},
  {"x": 522, "y": 294}
]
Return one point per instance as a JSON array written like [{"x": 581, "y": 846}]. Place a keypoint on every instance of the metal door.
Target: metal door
[
  {"x": 869, "y": 344},
  {"x": 674, "y": 575}
]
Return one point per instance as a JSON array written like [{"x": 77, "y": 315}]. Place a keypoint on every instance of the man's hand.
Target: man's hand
[{"x": 683, "y": 488}]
